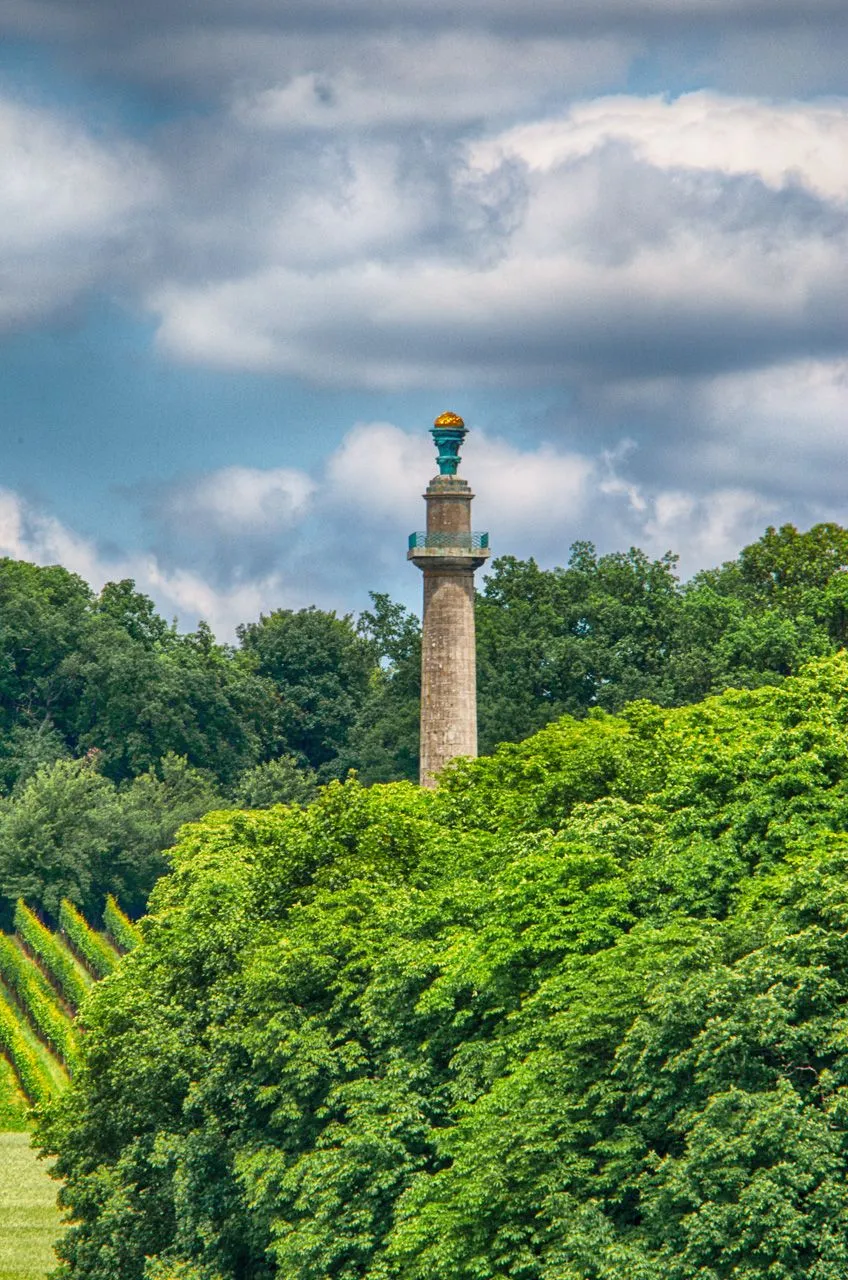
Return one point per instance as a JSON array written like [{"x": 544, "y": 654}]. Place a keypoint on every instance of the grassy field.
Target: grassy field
[{"x": 29, "y": 1219}]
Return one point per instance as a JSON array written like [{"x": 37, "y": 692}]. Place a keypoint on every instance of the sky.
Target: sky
[{"x": 249, "y": 249}]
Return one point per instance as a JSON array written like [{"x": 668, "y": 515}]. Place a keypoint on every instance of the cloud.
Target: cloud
[
  {"x": 705, "y": 530},
  {"x": 373, "y": 219},
  {"x": 307, "y": 59},
  {"x": 778, "y": 432},
  {"x": 27, "y": 533},
  {"x": 535, "y": 502},
  {"x": 238, "y": 500},
  {"x": 378, "y": 472},
  {"x": 782, "y": 430},
  {"x": 229, "y": 523},
  {"x": 396, "y": 195},
  {"x": 627, "y": 237},
  {"x": 375, "y": 479},
  {"x": 71, "y": 20},
  {"x": 446, "y": 78},
  {"x": 68, "y": 204},
  {"x": 782, "y": 144}
]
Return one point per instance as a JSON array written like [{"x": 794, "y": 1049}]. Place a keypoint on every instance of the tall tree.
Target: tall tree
[
  {"x": 383, "y": 744},
  {"x": 595, "y": 634},
  {"x": 321, "y": 667}
]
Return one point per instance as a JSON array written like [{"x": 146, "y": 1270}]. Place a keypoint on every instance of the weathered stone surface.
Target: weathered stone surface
[
  {"x": 448, "y": 669},
  {"x": 448, "y": 650}
]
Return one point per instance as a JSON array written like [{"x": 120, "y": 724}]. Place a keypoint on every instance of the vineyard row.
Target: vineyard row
[{"x": 44, "y": 977}]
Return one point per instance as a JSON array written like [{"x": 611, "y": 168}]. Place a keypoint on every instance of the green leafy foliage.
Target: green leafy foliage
[
  {"x": 99, "y": 956},
  {"x": 61, "y": 836},
  {"x": 281, "y": 781},
  {"x": 577, "y": 1015},
  {"x": 71, "y": 977},
  {"x": 606, "y": 630},
  {"x": 321, "y": 667},
  {"x": 115, "y": 728},
  {"x": 189, "y": 697},
  {"x": 13, "y": 1104},
  {"x": 71, "y": 833},
  {"x": 383, "y": 743},
  {"x": 81, "y": 672},
  {"x": 34, "y": 1080},
  {"x": 121, "y": 929},
  {"x": 37, "y": 998},
  {"x": 610, "y": 629}
]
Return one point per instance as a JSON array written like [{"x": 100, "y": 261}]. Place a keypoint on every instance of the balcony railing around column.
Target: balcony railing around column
[{"x": 449, "y": 541}]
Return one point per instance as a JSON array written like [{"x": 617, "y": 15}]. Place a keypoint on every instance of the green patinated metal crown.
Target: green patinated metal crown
[{"x": 449, "y": 431}]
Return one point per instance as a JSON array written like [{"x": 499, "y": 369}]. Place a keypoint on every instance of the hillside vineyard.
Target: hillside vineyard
[{"x": 44, "y": 979}]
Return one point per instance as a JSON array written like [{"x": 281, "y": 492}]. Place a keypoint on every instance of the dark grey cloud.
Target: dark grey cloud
[
  {"x": 206, "y": 48},
  {"x": 67, "y": 18}
]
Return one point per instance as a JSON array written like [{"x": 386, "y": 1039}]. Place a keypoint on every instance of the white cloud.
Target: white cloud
[
  {"x": 781, "y": 429},
  {"x": 345, "y": 532},
  {"x": 239, "y": 500},
  {"x": 536, "y": 497},
  {"x": 188, "y": 596},
  {"x": 66, "y": 202},
  {"x": 780, "y": 143},
  {"x": 27, "y": 533},
  {"x": 538, "y": 501},
  {"x": 381, "y": 472},
  {"x": 704, "y": 529}
]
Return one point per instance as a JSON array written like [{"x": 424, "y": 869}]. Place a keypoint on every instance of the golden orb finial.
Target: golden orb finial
[{"x": 449, "y": 420}]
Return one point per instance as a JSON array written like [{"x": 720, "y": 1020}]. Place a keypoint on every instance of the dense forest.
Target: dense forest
[
  {"x": 115, "y": 728},
  {"x": 578, "y": 1014}
]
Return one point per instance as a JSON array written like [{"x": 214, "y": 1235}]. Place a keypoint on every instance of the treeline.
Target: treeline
[
  {"x": 577, "y": 1014},
  {"x": 115, "y": 728},
  {"x": 605, "y": 630}
]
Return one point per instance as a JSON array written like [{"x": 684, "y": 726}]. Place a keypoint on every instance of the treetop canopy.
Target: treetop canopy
[{"x": 576, "y": 1015}]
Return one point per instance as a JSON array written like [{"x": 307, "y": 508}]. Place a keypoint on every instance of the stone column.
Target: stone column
[{"x": 448, "y": 553}]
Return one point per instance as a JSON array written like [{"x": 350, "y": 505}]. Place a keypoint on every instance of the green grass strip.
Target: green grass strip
[
  {"x": 39, "y": 1001},
  {"x": 34, "y": 1080},
  {"x": 125, "y": 933},
  {"x": 29, "y": 1218},
  {"x": 72, "y": 978},
  {"x": 100, "y": 956}
]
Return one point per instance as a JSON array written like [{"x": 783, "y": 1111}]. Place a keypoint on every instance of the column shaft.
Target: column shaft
[{"x": 448, "y": 669}]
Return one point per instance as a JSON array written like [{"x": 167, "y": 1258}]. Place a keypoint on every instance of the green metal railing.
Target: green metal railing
[{"x": 449, "y": 541}]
